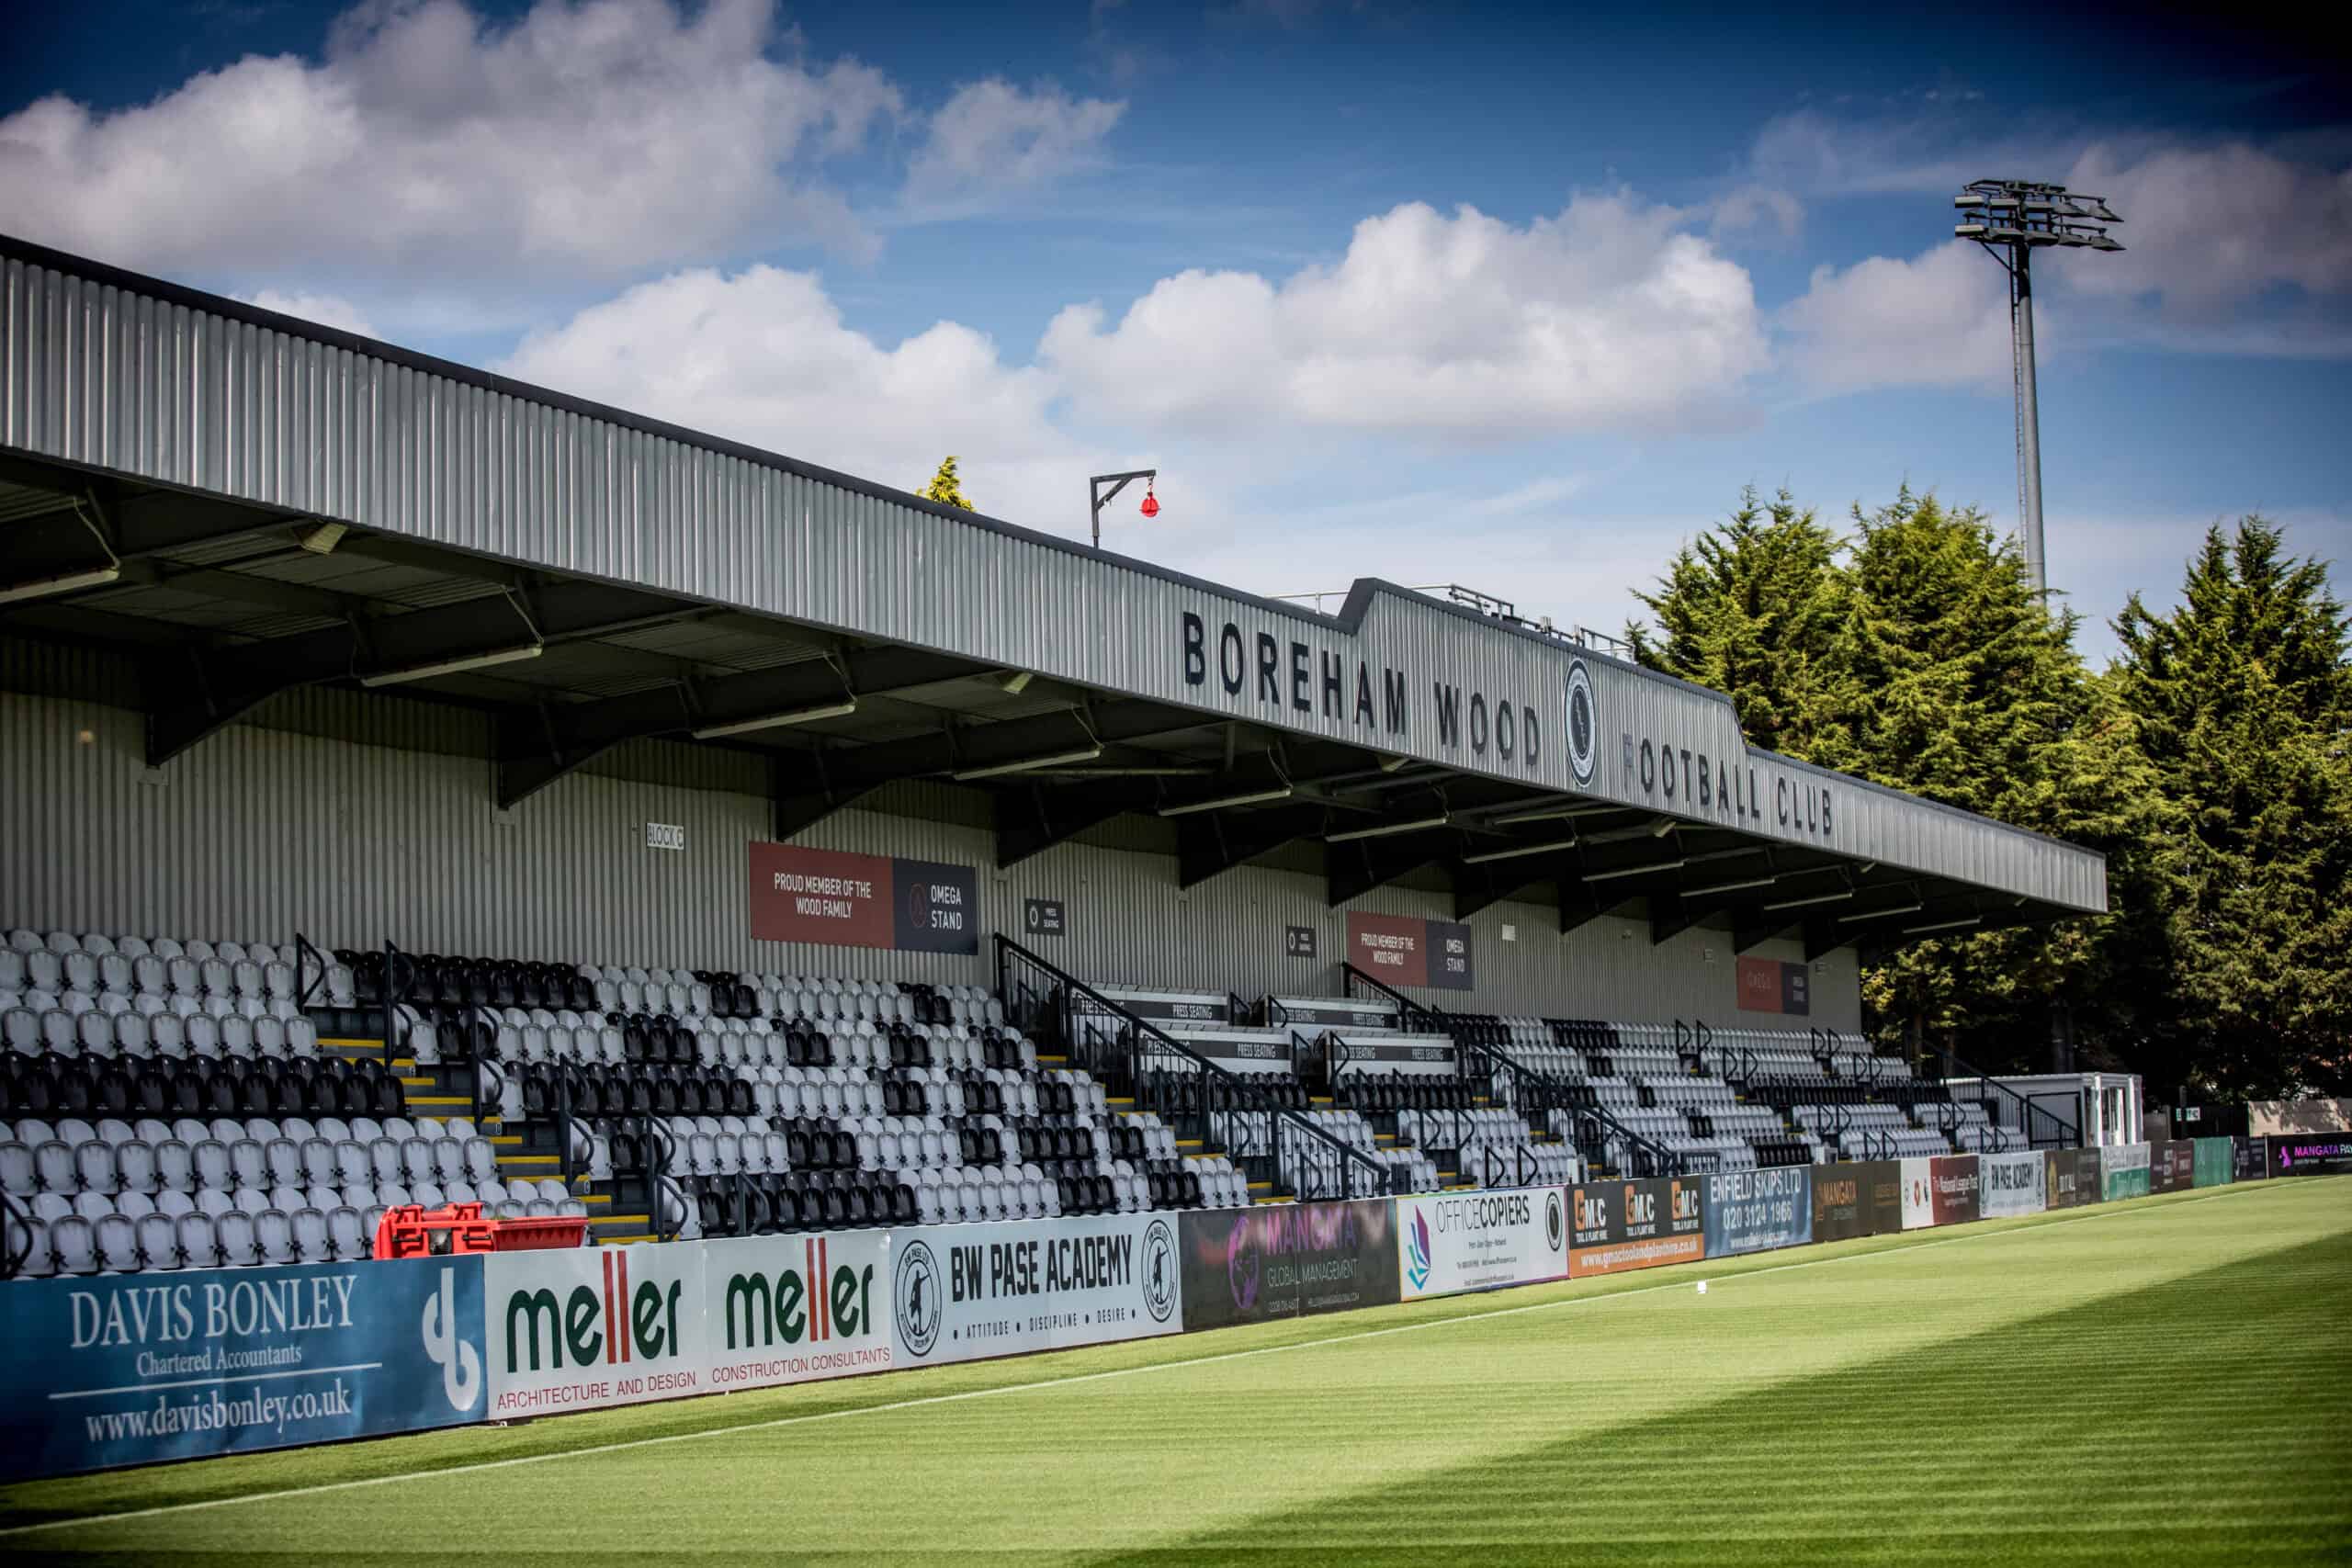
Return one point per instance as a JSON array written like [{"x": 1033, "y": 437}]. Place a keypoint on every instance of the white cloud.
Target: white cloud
[
  {"x": 762, "y": 357},
  {"x": 1759, "y": 208},
  {"x": 992, "y": 135},
  {"x": 1461, "y": 329},
  {"x": 2231, "y": 246},
  {"x": 1939, "y": 321},
  {"x": 326, "y": 310},
  {"x": 589, "y": 138},
  {"x": 2207, "y": 228}
]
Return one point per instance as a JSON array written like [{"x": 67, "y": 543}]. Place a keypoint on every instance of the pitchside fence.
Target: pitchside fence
[{"x": 131, "y": 1369}]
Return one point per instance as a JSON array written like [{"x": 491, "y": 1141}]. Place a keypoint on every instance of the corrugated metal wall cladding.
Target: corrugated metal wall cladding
[
  {"x": 279, "y": 420},
  {"x": 259, "y": 834}
]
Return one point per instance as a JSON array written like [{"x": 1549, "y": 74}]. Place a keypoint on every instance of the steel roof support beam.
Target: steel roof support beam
[
  {"x": 842, "y": 774},
  {"x": 1215, "y": 841},
  {"x": 1354, "y": 869},
  {"x": 1580, "y": 905},
  {"x": 136, "y": 522},
  {"x": 191, "y": 696},
  {"x": 1477, "y": 887},
  {"x": 1032, "y": 820},
  {"x": 1753, "y": 928},
  {"x": 540, "y": 745}
]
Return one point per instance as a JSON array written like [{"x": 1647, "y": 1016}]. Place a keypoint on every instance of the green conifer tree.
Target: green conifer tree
[
  {"x": 2237, "y": 956},
  {"x": 946, "y": 488}
]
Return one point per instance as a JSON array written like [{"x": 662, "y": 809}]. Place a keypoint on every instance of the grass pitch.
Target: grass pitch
[{"x": 2163, "y": 1381}]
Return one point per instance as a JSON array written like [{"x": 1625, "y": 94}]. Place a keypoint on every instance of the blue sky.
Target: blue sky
[{"x": 1514, "y": 298}]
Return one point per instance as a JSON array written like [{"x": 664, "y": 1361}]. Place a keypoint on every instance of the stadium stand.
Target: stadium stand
[{"x": 173, "y": 1103}]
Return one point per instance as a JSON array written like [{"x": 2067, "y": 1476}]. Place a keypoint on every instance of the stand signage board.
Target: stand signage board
[
  {"x": 835, "y": 898},
  {"x": 1405, "y": 950}
]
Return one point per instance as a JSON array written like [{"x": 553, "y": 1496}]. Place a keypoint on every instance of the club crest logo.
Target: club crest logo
[
  {"x": 916, "y": 1297},
  {"x": 1584, "y": 724},
  {"x": 1160, "y": 1270}
]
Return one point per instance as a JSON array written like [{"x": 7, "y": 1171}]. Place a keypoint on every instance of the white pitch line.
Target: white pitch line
[{"x": 1042, "y": 1384}]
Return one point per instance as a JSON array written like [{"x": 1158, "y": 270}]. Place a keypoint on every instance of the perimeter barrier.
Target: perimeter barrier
[{"x": 139, "y": 1369}]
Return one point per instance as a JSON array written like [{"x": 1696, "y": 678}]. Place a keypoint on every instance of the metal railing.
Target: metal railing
[
  {"x": 16, "y": 1238},
  {"x": 1040, "y": 995},
  {"x": 2041, "y": 1127},
  {"x": 1531, "y": 1091}
]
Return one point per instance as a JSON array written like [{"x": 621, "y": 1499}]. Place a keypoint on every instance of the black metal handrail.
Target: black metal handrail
[
  {"x": 304, "y": 954},
  {"x": 14, "y": 1224},
  {"x": 2062, "y": 1134},
  {"x": 1221, "y": 1089},
  {"x": 400, "y": 981},
  {"x": 1532, "y": 1090}
]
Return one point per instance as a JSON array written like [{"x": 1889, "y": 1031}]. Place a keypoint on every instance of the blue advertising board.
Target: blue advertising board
[
  {"x": 1756, "y": 1211},
  {"x": 138, "y": 1367}
]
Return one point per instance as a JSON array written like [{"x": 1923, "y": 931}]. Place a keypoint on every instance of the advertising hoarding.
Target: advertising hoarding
[
  {"x": 2013, "y": 1184},
  {"x": 963, "y": 1293},
  {"x": 2072, "y": 1178},
  {"x": 1287, "y": 1260},
  {"x": 2310, "y": 1154},
  {"x": 2172, "y": 1166},
  {"x": 1475, "y": 1241},
  {"x": 134, "y": 1369},
  {"x": 1618, "y": 1225},
  {"x": 1857, "y": 1199},
  {"x": 2122, "y": 1171},
  {"x": 787, "y": 1309},
  {"x": 1952, "y": 1189},
  {"x": 1918, "y": 1192},
  {"x": 586, "y": 1328},
  {"x": 1757, "y": 1211}
]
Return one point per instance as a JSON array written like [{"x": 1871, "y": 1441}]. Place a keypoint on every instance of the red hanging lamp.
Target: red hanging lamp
[{"x": 1150, "y": 502}]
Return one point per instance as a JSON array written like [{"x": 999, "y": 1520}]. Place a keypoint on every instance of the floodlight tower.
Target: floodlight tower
[{"x": 2012, "y": 219}]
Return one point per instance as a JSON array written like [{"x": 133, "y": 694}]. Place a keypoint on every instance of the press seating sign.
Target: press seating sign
[
  {"x": 836, "y": 899},
  {"x": 1403, "y": 950}
]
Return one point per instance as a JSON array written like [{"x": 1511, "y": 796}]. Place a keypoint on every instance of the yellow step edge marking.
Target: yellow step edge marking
[
  {"x": 439, "y": 1099},
  {"x": 529, "y": 1160},
  {"x": 621, "y": 1240},
  {"x": 509, "y": 1140},
  {"x": 621, "y": 1219}
]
